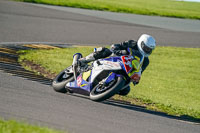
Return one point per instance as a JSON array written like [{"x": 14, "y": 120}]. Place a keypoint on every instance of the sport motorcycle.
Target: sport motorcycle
[{"x": 100, "y": 79}]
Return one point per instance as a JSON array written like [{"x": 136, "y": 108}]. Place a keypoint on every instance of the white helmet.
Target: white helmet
[{"x": 146, "y": 44}]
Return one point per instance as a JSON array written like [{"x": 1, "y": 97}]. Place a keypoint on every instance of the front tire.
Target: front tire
[
  {"x": 112, "y": 89},
  {"x": 61, "y": 80}
]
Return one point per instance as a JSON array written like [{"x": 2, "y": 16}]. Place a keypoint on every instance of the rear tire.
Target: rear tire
[
  {"x": 125, "y": 91},
  {"x": 112, "y": 90},
  {"x": 61, "y": 80}
]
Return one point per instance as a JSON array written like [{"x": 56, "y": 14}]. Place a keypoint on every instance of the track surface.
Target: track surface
[
  {"x": 24, "y": 22},
  {"x": 29, "y": 98}
]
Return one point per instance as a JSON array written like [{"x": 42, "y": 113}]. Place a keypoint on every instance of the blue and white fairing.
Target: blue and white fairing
[
  {"x": 80, "y": 83},
  {"x": 105, "y": 64}
]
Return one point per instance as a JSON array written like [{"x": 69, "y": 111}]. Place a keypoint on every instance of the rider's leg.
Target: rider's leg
[{"x": 99, "y": 53}]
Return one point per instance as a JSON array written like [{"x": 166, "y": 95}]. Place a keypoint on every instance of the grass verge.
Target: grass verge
[
  {"x": 169, "y": 8},
  {"x": 170, "y": 84},
  {"x": 12, "y": 126}
]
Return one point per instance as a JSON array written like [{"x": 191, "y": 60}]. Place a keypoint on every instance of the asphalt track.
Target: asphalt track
[
  {"x": 28, "y": 98},
  {"x": 22, "y": 22}
]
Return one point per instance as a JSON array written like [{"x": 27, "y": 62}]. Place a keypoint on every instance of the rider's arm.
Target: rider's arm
[
  {"x": 145, "y": 64},
  {"x": 120, "y": 48},
  {"x": 124, "y": 45}
]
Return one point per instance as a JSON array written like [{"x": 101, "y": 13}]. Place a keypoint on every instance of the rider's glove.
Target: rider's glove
[
  {"x": 136, "y": 77},
  {"x": 120, "y": 52}
]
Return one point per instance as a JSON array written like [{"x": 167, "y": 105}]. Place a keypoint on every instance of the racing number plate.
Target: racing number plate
[
  {"x": 127, "y": 61},
  {"x": 79, "y": 80}
]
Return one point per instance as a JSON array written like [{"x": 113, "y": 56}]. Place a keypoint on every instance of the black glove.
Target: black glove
[{"x": 128, "y": 44}]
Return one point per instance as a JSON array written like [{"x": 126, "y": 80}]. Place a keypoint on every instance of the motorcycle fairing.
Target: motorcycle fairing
[
  {"x": 111, "y": 77},
  {"x": 127, "y": 61},
  {"x": 86, "y": 75},
  {"x": 79, "y": 83},
  {"x": 132, "y": 64},
  {"x": 102, "y": 65}
]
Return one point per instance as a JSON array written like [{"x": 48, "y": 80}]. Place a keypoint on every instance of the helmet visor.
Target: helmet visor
[{"x": 146, "y": 49}]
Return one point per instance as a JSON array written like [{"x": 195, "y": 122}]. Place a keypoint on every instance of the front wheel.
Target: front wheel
[
  {"x": 61, "y": 80},
  {"x": 102, "y": 92}
]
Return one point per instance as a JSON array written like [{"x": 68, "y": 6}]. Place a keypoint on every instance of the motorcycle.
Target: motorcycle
[{"x": 100, "y": 79}]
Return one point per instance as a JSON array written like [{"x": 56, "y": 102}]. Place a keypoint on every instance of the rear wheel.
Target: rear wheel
[
  {"x": 125, "y": 91},
  {"x": 104, "y": 91},
  {"x": 61, "y": 80}
]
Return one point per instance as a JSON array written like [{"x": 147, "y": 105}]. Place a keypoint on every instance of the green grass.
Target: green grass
[
  {"x": 172, "y": 80},
  {"x": 170, "y": 84},
  {"x": 54, "y": 60},
  {"x": 12, "y": 126},
  {"x": 169, "y": 8}
]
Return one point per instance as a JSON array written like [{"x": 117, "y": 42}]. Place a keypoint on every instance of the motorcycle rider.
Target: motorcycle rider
[{"x": 145, "y": 45}]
